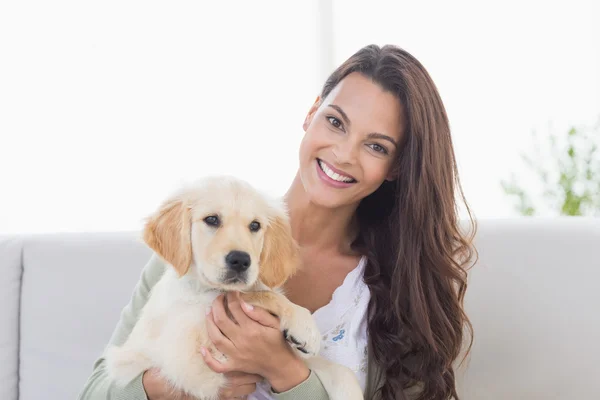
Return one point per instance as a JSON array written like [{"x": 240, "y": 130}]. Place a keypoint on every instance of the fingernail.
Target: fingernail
[
  {"x": 247, "y": 306},
  {"x": 208, "y": 309},
  {"x": 203, "y": 351}
]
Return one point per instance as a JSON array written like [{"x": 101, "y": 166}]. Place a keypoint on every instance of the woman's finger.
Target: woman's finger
[
  {"x": 228, "y": 327},
  {"x": 238, "y": 392},
  {"x": 241, "y": 378},
  {"x": 234, "y": 304},
  {"x": 213, "y": 363},
  {"x": 245, "y": 390},
  {"x": 260, "y": 315},
  {"x": 221, "y": 342}
]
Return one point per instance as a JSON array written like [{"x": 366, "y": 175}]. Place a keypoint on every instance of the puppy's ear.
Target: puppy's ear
[
  {"x": 168, "y": 232},
  {"x": 280, "y": 255}
]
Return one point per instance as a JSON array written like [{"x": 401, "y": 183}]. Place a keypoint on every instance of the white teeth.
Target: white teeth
[{"x": 333, "y": 175}]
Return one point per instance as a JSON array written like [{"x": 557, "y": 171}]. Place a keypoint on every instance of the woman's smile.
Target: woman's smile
[{"x": 332, "y": 176}]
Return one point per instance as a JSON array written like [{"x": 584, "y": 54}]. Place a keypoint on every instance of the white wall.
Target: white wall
[{"x": 107, "y": 106}]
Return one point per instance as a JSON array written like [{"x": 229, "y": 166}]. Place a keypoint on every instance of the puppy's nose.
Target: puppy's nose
[{"x": 238, "y": 261}]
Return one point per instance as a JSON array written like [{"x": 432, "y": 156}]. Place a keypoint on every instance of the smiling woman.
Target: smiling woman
[{"x": 383, "y": 262}]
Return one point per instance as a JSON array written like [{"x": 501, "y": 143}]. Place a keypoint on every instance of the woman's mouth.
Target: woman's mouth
[{"x": 334, "y": 176}]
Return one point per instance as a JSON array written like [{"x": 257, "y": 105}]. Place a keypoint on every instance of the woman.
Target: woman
[{"x": 373, "y": 209}]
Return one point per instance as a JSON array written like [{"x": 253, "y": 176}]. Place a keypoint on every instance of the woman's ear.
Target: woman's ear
[
  {"x": 280, "y": 255},
  {"x": 311, "y": 113},
  {"x": 391, "y": 176},
  {"x": 168, "y": 232}
]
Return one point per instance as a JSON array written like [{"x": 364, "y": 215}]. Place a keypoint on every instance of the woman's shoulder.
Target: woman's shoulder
[
  {"x": 156, "y": 266},
  {"x": 152, "y": 271}
]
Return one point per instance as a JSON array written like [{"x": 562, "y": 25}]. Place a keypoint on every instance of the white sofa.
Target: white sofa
[{"x": 534, "y": 301}]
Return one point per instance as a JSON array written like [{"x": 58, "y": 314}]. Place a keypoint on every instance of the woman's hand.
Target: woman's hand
[
  {"x": 252, "y": 343},
  {"x": 239, "y": 386},
  {"x": 157, "y": 387}
]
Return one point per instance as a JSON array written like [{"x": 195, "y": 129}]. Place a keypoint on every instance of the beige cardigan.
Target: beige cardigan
[{"x": 99, "y": 387}]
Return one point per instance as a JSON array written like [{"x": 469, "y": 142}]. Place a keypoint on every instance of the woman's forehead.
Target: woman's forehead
[{"x": 367, "y": 105}]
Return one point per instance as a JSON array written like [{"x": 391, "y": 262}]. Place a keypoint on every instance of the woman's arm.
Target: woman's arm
[{"x": 98, "y": 386}]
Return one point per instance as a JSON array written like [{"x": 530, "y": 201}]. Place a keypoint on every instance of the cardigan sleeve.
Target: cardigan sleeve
[
  {"x": 310, "y": 389},
  {"x": 98, "y": 385}
]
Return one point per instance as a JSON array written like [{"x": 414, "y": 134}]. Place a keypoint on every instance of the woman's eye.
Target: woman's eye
[
  {"x": 212, "y": 220},
  {"x": 335, "y": 122},
  {"x": 254, "y": 226},
  {"x": 379, "y": 148}
]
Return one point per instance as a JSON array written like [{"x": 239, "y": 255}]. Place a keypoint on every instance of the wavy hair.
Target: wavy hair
[{"x": 410, "y": 233}]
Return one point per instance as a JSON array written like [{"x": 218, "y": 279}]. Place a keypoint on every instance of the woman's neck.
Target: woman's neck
[{"x": 316, "y": 227}]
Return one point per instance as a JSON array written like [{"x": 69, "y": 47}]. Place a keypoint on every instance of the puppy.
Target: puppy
[{"x": 218, "y": 235}]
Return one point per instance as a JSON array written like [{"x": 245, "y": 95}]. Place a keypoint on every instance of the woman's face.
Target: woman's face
[{"x": 351, "y": 141}]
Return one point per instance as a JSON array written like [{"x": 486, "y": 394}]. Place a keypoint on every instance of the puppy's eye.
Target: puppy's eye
[
  {"x": 212, "y": 220},
  {"x": 254, "y": 226}
]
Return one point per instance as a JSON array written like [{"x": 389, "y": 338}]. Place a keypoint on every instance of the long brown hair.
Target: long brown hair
[{"x": 410, "y": 232}]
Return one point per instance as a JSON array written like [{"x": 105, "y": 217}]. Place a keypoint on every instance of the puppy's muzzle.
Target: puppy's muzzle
[{"x": 237, "y": 262}]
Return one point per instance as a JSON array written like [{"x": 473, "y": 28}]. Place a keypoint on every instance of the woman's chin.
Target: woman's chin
[
  {"x": 327, "y": 199},
  {"x": 327, "y": 196}
]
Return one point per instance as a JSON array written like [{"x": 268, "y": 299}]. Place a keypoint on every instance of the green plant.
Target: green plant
[{"x": 570, "y": 184}]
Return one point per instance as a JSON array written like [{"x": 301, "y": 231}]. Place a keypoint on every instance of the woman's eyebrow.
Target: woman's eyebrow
[{"x": 376, "y": 135}]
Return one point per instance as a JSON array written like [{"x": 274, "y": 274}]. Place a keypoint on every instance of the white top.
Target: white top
[{"x": 343, "y": 324}]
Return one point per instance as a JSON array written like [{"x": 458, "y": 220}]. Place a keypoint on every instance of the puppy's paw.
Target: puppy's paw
[
  {"x": 123, "y": 364},
  {"x": 302, "y": 333}
]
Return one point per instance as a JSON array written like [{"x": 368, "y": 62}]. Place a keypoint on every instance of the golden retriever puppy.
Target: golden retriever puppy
[{"x": 218, "y": 235}]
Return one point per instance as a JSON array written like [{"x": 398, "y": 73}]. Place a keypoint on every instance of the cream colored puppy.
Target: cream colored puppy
[{"x": 218, "y": 235}]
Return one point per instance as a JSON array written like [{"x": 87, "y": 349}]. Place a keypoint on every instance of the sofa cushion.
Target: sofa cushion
[
  {"x": 533, "y": 300},
  {"x": 74, "y": 287},
  {"x": 10, "y": 287}
]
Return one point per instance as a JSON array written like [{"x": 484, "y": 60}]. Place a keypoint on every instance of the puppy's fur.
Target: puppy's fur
[{"x": 218, "y": 235}]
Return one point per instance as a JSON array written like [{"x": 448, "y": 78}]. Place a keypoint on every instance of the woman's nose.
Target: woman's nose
[{"x": 345, "y": 152}]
